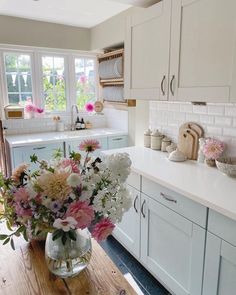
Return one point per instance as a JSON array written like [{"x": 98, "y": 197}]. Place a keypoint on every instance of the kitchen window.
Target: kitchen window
[
  {"x": 18, "y": 76},
  {"x": 53, "y": 79}
]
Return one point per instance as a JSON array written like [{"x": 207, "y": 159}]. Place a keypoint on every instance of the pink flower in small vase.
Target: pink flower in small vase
[
  {"x": 89, "y": 107},
  {"x": 39, "y": 110},
  {"x": 82, "y": 213},
  {"x": 89, "y": 145},
  {"x": 103, "y": 229},
  {"x": 30, "y": 108},
  {"x": 213, "y": 148},
  {"x": 83, "y": 79}
]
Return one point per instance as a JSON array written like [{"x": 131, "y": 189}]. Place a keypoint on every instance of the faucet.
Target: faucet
[{"x": 74, "y": 106}]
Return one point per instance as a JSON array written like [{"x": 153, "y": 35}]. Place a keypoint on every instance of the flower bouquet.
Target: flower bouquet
[{"x": 63, "y": 199}]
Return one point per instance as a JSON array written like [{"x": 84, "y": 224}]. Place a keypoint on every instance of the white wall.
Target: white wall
[
  {"x": 218, "y": 120},
  {"x": 20, "y": 31}
]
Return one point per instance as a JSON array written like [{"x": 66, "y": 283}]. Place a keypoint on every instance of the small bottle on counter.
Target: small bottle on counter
[
  {"x": 77, "y": 124},
  {"x": 82, "y": 124},
  {"x": 147, "y": 138},
  {"x": 166, "y": 141},
  {"x": 156, "y": 138}
]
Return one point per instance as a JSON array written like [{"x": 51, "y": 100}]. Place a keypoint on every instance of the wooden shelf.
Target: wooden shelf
[
  {"x": 120, "y": 105},
  {"x": 118, "y": 81}
]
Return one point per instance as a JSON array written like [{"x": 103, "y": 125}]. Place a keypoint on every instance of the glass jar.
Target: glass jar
[{"x": 70, "y": 259}]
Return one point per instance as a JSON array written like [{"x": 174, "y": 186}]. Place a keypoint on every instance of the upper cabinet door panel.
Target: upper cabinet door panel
[
  {"x": 147, "y": 52},
  {"x": 203, "y": 35}
]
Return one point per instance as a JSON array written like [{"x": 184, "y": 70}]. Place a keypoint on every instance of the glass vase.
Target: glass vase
[{"x": 70, "y": 259}]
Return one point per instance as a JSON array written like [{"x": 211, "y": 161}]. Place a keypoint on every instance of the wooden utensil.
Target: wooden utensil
[{"x": 186, "y": 143}]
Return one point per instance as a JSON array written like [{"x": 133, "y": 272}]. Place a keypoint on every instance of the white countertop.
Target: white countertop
[
  {"x": 38, "y": 138},
  {"x": 203, "y": 184}
]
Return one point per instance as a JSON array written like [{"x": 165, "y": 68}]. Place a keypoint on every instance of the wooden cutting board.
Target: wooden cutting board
[
  {"x": 194, "y": 126},
  {"x": 186, "y": 143}
]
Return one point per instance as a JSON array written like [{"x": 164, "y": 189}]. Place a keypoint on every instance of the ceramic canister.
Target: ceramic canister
[
  {"x": 156, "y": 139},
  {"x": 166, "y": 141},
  {"x": 147, "y": 138}
]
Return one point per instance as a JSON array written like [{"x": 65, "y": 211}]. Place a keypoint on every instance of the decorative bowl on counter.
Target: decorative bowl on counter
[{"x": 227, "y": 166}]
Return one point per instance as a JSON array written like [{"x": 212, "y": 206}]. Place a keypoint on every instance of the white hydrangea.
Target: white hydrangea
[
  {"x": 119, "y": 164},
  {"x": 74, "y": 180}
]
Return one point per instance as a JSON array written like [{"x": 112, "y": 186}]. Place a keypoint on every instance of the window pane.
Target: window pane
[
  {"x": 54, "y": 83},
  {"x": 18, "y": 77},
  {"x": 85, "y": 81},
  {"x": 25, "y": 97}
]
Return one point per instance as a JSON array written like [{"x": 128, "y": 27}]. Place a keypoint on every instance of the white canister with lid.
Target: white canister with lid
[
  {"x": 147, "y": 138},
  {"x": 166, "y": 141},
  {"x": 156, "y": 139}
]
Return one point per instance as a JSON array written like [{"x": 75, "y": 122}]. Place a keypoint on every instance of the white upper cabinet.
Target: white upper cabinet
[
  {"x": 147, "y": 52},
  {"x": 194, "y": 39},
  {"x": 202, "y": 59}
]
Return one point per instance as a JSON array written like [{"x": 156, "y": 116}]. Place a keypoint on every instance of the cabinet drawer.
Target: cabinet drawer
[
  {"x": 222, "y": 226},
  {"x": 116, "y": 142},
  {"x": 134, "y": 180},
  {"x": 180, "y": 204}
]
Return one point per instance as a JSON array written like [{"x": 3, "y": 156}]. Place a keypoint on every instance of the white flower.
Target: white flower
[
  {"x": 65, "y": 224},
  {"x": 74, "y": 180},
  {"x": 119, "y": 164}
]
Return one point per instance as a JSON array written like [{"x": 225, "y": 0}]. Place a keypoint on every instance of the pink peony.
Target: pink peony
[
  {"x": 70, "y": 163},
  {"x": 82, "y": 213},
  {"x": 103, "y": 229},
  {"x": 89, "y": 145},
  {"x": 89, "y": 107},
  {"x": 21, "y": 195}
]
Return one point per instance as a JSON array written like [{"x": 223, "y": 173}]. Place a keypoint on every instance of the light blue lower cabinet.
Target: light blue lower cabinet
[
  {"x": 127, "y": 232},
  {"x": 220, "y": 267},
  {"x": 172, "y": 248},
  {"x": 117, "y": 142},
  {"x": 43, "y": 151}
]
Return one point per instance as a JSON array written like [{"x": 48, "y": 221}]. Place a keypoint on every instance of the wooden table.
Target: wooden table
[{"x": 24, "y": 272}]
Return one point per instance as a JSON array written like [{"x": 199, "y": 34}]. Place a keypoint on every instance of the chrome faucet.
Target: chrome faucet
[{"x": 74, "y": 106}]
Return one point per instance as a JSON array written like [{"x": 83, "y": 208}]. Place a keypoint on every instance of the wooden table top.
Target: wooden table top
[{"x": 24, "y": 272}]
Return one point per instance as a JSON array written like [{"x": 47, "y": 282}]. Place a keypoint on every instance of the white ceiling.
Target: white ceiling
[{"x": 81, "y": 13}]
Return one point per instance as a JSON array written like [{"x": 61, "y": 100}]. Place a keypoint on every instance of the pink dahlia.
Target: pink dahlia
[
  {"x": 89, "y": 145},
  {"x": 89, "y": 107},
  {"x": 82, "y": 213},
  {"x": 213, "y": 148},
  {"x": 103, "y": 229}
]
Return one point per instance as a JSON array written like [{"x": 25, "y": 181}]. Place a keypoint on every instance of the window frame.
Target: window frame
[{"x": 36, "y": 54}]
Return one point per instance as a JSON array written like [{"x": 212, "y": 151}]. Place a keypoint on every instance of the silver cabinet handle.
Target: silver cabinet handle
[
  {"x": 171, "y": 85},
  {"x": 39, "y": 148},
  {"x": 162, "y": 85},
  {"x": 119, "y": 138},
  {"x": 135, "y": 201},
  {"x": 168, "y": 198},
  {"x": 143, "y": 208}
]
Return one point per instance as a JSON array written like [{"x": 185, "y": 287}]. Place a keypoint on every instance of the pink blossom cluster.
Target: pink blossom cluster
[
  {"x": 213, "y": 148},
  {"x": 32, "y": 108}
]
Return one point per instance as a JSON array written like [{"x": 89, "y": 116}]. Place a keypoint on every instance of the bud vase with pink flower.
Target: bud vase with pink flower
[{"x": 212, "y": 150}]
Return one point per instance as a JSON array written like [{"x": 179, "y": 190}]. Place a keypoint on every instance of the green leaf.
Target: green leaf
[
  {"x": 6, "y": 241},
  {"x": 12, "y": 244},
  {"x": 9, "y": 226},
  {"x": 72, "y": 235},
  {"x": 57, "y": 234},
  {"x": 25, "y": 235},
  {"x": 33, "y": 158},
  {"x": 64, "y": 238},
  {"x": 3, "y": 237}
]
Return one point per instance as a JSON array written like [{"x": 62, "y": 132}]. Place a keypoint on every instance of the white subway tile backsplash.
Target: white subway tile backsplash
[{"x": 218, "y": 120}]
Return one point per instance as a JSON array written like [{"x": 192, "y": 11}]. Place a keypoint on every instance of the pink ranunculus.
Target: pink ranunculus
[
  {"x": 21, "y": 195},
  {"x": 70, "y": 163},
  {"x": 103, "y": 229},
  {"x": 81, "y": 212}
]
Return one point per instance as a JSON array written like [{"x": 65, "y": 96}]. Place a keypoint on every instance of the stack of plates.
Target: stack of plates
[
  {"x": 113, "y": 93},
  {"x": 111, "y": 69}
]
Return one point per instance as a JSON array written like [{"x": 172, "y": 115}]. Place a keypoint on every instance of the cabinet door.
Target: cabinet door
[
  {"x": 116, "y": 142},
  {"x": 43, "y": 152},
  {"x": 220, "y": 267},
  {"x": 147, "y": 52},
  {"x": 127, "y": 232},
  {"x": 203, "y": 64},
  {"x": 172, "y": 248},
  {"x": 74, "y": 146}
]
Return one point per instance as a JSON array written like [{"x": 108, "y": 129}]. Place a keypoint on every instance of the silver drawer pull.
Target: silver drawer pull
[
  {"x": 39, "y": 148},
  {"x": 168, "y": 198},
  {"x": 120, "y": 138},
  {"x": 143, "y": 208}
]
